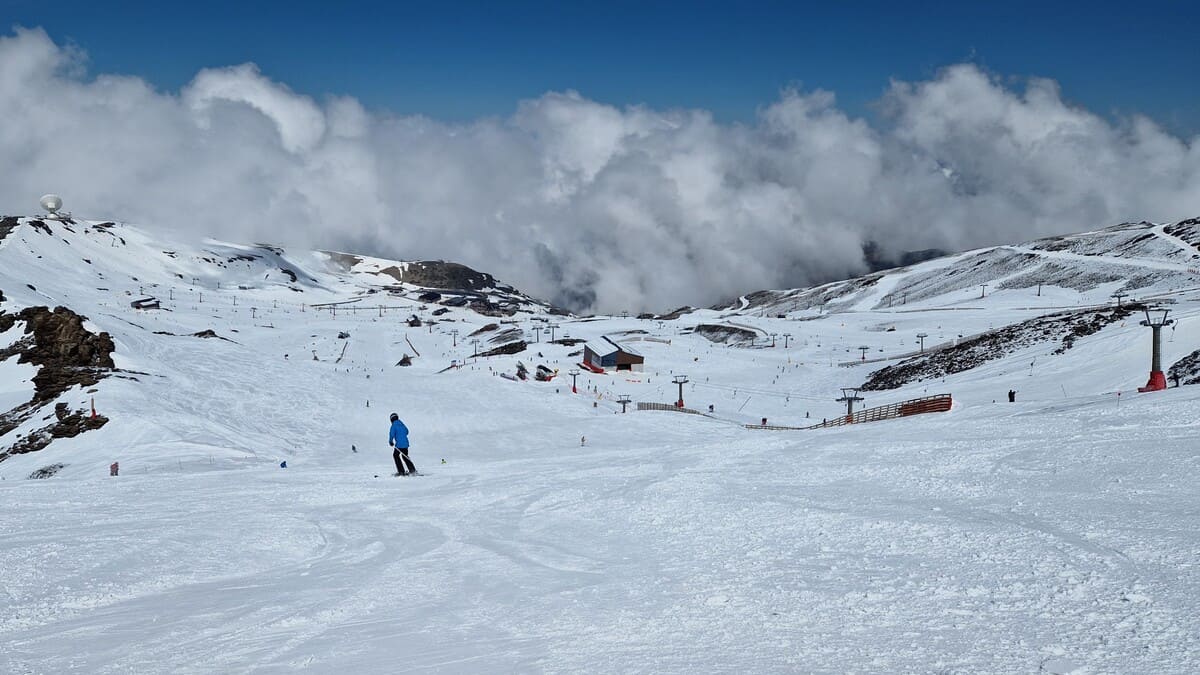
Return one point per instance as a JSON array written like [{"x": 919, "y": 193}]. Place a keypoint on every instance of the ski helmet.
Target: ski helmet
[{"x": 394, "y": 417}]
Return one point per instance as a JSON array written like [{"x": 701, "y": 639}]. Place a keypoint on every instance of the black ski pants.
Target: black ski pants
[{"x": 404, "y": 465}]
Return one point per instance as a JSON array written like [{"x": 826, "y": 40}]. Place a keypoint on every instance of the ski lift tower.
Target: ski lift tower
[
  {"x": 864, "y": 352},
  {"x": 680, "y": 380},
  {"x": 1158, "y": 380},
  {"x": 574, "y": 373},
  {"x": 624, "y": 400},
  {"x": 849, "y": 396},
  {"x": 921, "y": 337}
]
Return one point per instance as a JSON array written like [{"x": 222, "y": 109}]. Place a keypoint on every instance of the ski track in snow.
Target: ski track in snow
[
  {"x": 978, "y": 554},
  {"x": 1058, "y": 533}
]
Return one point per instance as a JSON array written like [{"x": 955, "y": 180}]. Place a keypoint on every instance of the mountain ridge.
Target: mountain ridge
[{"x": 1133, "y": 256}]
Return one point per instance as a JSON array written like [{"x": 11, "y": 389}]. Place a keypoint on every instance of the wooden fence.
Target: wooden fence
[
  {"x": 915, "y": 406},
  {"x": 666, "y": 406}
]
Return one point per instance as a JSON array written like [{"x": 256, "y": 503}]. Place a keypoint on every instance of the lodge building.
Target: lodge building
[{"x": 610, "y": 355}]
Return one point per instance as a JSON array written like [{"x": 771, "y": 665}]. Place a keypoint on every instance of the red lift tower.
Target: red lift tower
[
  {"x": 1157, "y": 379},
  {"x": 680, "y": 380}
]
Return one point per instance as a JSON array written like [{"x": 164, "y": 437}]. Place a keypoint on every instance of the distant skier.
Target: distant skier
[
  {"x": 1012, "y": 396},
  {"x": 398, "y": 439}
]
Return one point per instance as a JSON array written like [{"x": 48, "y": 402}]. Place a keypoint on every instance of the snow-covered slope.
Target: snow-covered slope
[
  {"x": 1143, "y": 259},
  {"x": 257, "y": 301},
  {"x": 551, "y": 532}
]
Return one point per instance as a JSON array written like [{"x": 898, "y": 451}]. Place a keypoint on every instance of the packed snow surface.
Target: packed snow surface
[{"x": 551, "y": 533}]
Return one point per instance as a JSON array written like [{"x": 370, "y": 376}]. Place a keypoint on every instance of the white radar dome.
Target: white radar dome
[{"x": 52, "y": 203}]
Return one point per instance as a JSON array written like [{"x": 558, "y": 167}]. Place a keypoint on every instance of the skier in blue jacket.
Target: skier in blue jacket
[{"x": 398, "y": 439}]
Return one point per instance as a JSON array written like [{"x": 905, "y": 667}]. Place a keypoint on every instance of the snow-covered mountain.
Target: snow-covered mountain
[
  {"x": 550, "y": 532},
  {"x": 156, "y": 290},
  {"x": 1142, "y": 259}
]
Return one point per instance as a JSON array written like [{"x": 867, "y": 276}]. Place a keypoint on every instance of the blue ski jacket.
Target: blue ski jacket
[{"x": 398, "y": 436}]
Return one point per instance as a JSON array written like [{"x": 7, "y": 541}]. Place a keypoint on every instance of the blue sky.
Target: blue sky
[{"x": 459, "y": 61}]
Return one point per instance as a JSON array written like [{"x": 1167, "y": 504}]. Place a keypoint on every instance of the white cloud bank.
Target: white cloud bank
[{"x": 593, "y": 206}]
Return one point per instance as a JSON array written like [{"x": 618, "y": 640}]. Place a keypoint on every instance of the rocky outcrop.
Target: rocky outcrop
[
  {"x": 206, "y": 333},
  {"x": 68, "y": 424},
  {"x": 1066, "y": 327},
  {"x": 66, "y": 354},
  {"x": 510, "y": 348},
  {"x": 440, "y": 274},
  {"x": 506, "y": 335},
  {"x": 725, "y": 334},
  {"x": 448, "y": 283},
  {"x": 343, "y": 260},
  {"x": 47, "y": 471},
  {"x": 675, "y": 313},
  {"x": 1185, "y": 370},
  {"x": 8, "y": 224}
]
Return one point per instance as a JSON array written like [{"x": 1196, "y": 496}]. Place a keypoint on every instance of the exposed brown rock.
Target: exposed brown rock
[
  {"x": 676, "y": 313},
  {"x": 440, "y": 274},
  {"x": 66, "y": 354},
  {"x": 506, "y": 335},
  {"x": 68, "y": 425},
  {"x": 725, "y": 334},
  {"x": 8, "y": 224},
  {"x": 1185, "y": 370},
  {"x": 510, "y": 348},
  {"x": 47, "y": 471},
  {"x": 344, "y": 260}
]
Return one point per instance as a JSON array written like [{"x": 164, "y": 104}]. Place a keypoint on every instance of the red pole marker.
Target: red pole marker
[{"x": 94, "y": 411}]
